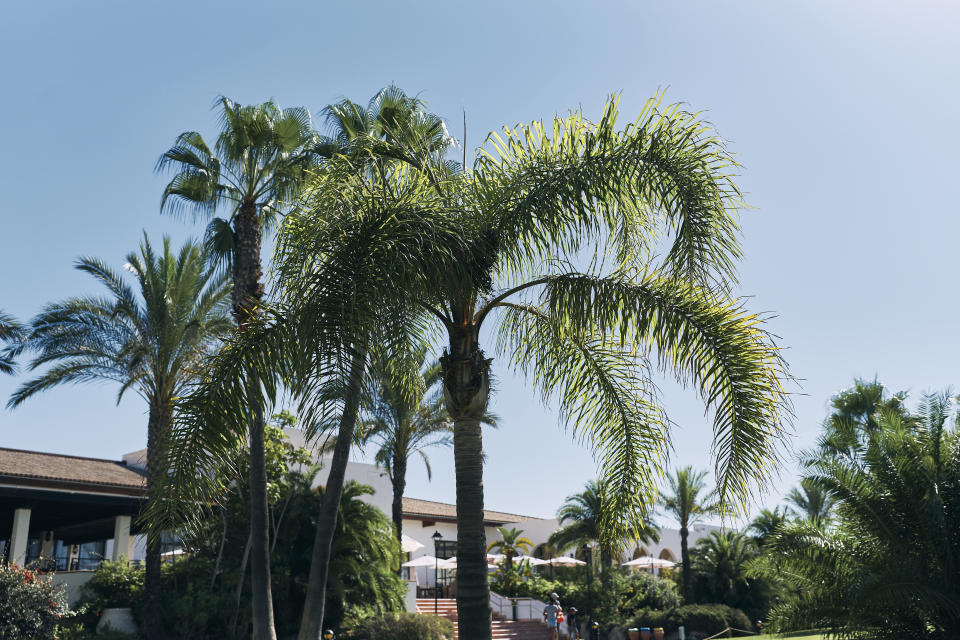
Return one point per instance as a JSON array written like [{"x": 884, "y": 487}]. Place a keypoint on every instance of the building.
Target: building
[{"x": 73, "y": 512}]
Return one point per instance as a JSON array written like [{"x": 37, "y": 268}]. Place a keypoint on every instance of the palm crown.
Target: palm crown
[
  {"x": 151, "y": 338},
  {"x": 582, "y": 515}
]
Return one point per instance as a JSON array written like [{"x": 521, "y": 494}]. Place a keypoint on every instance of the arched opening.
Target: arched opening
[
  {"x": 640, "y": 552},
  {"x": 541, "y": 551},
  {"x": 666, "y": 554}
]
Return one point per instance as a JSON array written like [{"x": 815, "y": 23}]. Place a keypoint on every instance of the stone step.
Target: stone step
[{"x": 501, "y": 629}]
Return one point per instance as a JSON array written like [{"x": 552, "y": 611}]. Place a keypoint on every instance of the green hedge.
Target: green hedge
[
  {"x": 403, "y": 626},
  {"x": 705, "y": 618}
]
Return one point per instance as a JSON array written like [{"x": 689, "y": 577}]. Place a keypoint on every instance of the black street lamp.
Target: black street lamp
[{"x": 436, "y": 567}]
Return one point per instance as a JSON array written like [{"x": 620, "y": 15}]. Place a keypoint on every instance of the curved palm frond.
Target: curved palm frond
[
  {"x": 710, "y": 342},
  {"x": 557, "y": 187},
  {"x": 11, "y": 332},
  {"x": 605, "y": 395}
]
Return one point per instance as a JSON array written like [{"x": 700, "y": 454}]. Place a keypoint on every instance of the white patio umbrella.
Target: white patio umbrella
[
  {"x": 408, "y": 544},
  {"x": 533, "y": 561},
  {"x": 428, "y": 561},
  {"x": 493, "y": 558},
  {"x": 565, "y": 561},
  {"x": 649, "y": 562}
]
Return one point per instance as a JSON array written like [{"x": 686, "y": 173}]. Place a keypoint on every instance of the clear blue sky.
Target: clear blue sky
[{"x": 842, "y": 113}]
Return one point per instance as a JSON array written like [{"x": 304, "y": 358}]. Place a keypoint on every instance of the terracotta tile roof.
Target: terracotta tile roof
[
  {"x": 68, "y": 469},
  {"x": 412, "y": 507}
]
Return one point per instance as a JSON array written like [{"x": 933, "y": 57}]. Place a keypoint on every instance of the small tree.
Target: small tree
[
  {"x": 512, "y": 542},
  {"x": 687, "y": 507},
  {"x": 32, "y": 606}
]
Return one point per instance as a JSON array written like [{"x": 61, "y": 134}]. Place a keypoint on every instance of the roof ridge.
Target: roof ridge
[
  {"x": 451, "y": 504},
  {"x": 122, "y": 463}
]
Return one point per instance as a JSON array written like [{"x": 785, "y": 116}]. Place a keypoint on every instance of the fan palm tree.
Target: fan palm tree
[
  {"x": 423, "y": 240},
  {"x": 583, "y": 520},
  {"x": 811, "y": 501},
  {"x": 256, "y": 167},
  {"x": 10, "y": 331},
  {"x": 890, "y": 565},
  {"x": 721, "y": 563},
  {"x": 151, "y": 338},
  {"x": 687, "y": 506},
  {"x": 512, "y": 543}
]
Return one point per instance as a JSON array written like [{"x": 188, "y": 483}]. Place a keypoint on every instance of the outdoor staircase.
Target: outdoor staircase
[{"x": 502, "y": 629}]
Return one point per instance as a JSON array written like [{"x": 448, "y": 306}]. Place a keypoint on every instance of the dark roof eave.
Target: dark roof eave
[{"x": 73, "y": 486}]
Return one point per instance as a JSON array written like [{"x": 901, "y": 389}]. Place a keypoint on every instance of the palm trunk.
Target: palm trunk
[
  {"x": 260, "y": 588},
  {"x": 247, "y": 294},
  {"x": 685, "y": 562},
  {"x": 399, "y": 486},
  {"x": 466, "y": 385},
  {"x": 158, "y": 426},
  {"x": 311, "y": 624}
]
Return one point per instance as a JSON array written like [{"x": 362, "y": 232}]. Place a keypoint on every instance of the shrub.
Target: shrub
[
  {"x": 403, "y": 626},
  {"x": 705, "y": 618},
  {"x": 114, "y": 584},
  {"x": 31, "y": 604}
]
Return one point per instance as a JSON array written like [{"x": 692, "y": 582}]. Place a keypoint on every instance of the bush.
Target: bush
[
  {"x": 403, "y": 626},
  {"x": 114, "y": 584},
  {"x": 31, "y": 604},
  {"x": 704, "y": 618}
]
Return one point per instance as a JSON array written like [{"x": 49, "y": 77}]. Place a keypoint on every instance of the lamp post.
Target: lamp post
[{"x": 436, "y": 567}]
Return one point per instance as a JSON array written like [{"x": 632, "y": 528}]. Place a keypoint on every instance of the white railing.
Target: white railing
[{"x": 521, "y": 609}]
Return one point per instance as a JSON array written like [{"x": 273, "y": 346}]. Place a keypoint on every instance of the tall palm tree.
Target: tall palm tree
[
  {"x": 256, "y": 167},
  {"x": 583, "y": 519},
  {"x": 425, "y": 240},
  {"x": 811, "y": 501},
  {"x": 890, "y": 565},
  {"x": 10, "y": 331},
  {"x": 687, "y": 506},
  {"x": 151, "y": 337},
  {"x": 512, "y": 542}
]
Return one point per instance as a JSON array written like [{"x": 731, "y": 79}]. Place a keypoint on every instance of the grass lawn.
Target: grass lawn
[{"x": 815, "y": 636}]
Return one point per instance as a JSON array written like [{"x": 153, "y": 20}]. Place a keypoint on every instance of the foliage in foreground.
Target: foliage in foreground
[
  {"x": 890, "y": 567},
  {"x": 402, "y": 626},
  {"x": 31, "y": 604}
]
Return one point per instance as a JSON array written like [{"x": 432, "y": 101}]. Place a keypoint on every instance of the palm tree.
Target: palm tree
[
  {"x": 584, "y": 519},
  {"x": 811, "y": 501},
  {"x": 257, "y": 166},
  {"x": 10, "y": 331},
  {"x": 418, "y": 239},
  {"x": 512, "y": 542},
  {"x": 889, "y": 567},
  {"x": 767, "y": 523},
  {"x": 687, "y": 507},
  {"x": 151, "y": 338},
  {"x": 721, "y": 563},
  {"x": 854, "y": 416}
]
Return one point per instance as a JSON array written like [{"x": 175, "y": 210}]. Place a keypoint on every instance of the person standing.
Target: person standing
[
  {"x": 572, "y": 629},
  {"x": 550, "y": 614}
]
